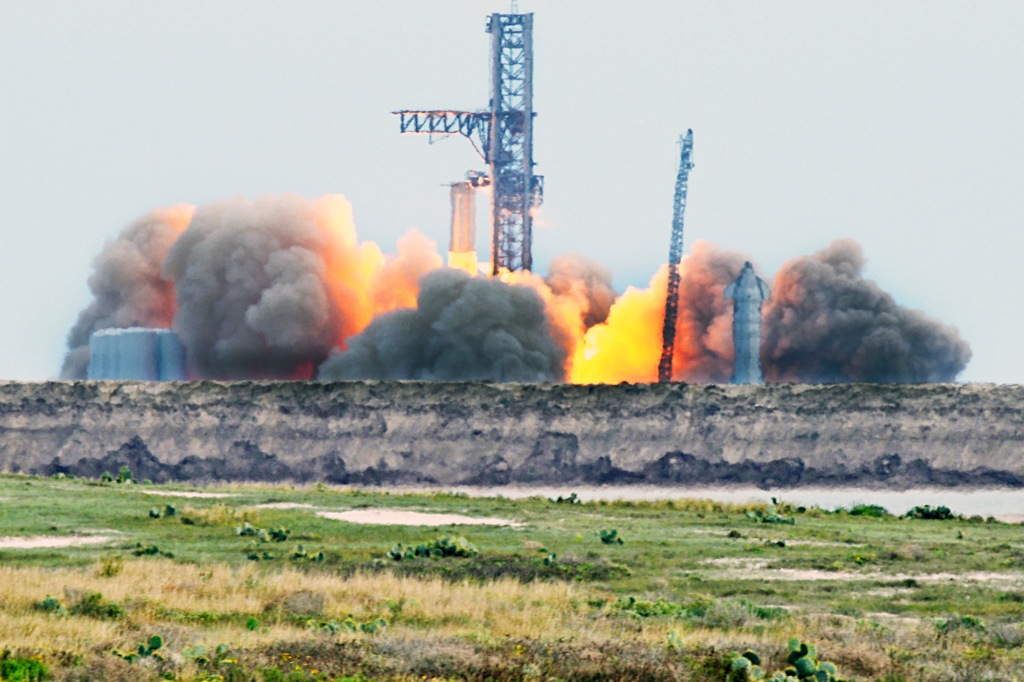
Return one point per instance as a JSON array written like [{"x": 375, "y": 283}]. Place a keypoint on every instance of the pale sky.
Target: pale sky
[{"x": 898, "y": 124}]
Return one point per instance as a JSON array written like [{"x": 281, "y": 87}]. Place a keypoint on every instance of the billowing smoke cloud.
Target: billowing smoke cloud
[
  {"x": 254, "y": 289},
  {"x": 463, "y": 328},
  {"x": 826, "y": 323},
  {"x": 704, "y": 351},
  {"x": 587, "y": 282},
  {"x": 128, "y": 289},
  {"x": 274, "y": 288},
  {"x": 266, "y": 288}
]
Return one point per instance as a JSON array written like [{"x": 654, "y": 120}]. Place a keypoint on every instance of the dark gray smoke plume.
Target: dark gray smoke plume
[
  {"x": 252, "y": 292},
  {"x": 587, "y": 282},
  {"x": 826, "y": 323},
  {"x": 463, "y": 328},
  {"x": 127, "y": 288}
]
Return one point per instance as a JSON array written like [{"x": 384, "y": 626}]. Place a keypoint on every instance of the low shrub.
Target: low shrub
[
  {"x": 926, "y": 512},
  {"x": 872, "y": 510},
  {"x": 448, "y": 546}
]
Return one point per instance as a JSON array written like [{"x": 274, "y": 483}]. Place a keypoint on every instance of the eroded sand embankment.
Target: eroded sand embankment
[{"x": 486, "y": 434}]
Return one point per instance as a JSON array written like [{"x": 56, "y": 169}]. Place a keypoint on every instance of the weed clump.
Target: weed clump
[
  {"x": 110, "y": 566},
  {"x": 93, "y": 605},
  {"x": 770, "y": 515},
  {"x": 17, "y": 669},
  {"x": 350, "y": 624},
  {"x": 262, "y": 534},
  {"x": 217, "y": 515},
  {"x": 150, "y": 550},
  {"x": 167, "y": 511},
  {"x": 703, "y": 611},
  {"x": 610, "y": 537},
  {"x": 147, "y": 649},
  {"x": 50, "y": 605},
  {"x": 449, "y": 546}
]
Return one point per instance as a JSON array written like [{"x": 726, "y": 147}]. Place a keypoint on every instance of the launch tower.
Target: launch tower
[
  {"x": 505, "y": 137},
  {"x": 675, "y": 255}
]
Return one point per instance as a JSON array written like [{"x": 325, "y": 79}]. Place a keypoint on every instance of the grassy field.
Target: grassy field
[{"x": 226, "y": 588}]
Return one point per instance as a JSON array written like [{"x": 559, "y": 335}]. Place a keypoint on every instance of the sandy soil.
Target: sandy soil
[
  {"x": 746, "y": 569},
  {"x": 50, "y": 541},
  {"x": 398, "y": 517},
  {"x": 282, "y": 505},
  {"x": 184, "y": 493}
]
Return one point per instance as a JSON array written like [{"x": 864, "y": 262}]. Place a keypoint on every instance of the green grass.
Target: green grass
[{"x": 871, "y": 584}]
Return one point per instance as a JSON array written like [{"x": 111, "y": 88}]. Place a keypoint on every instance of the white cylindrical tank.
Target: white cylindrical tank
[{"x": 136, "y": 354}]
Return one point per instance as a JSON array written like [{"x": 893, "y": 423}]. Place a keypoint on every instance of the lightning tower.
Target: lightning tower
[
  {"x": 505, "y": 137},
  {"x": 675, "y": 255}
]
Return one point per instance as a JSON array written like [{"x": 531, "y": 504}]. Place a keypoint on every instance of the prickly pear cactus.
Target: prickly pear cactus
[
  {"x": 803, "y": 666},
  {"x": 744, "y": 667}
]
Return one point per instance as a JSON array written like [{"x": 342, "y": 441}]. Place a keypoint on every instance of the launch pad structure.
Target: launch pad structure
[{"x": 505, "y": 137}]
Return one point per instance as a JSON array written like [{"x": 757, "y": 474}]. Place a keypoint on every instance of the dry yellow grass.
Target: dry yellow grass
[
  {"x": 189, "y": 605},
  {"x": 152, "y": 588}
]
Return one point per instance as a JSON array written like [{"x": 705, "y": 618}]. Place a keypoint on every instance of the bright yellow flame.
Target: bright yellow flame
[{"x": 464, "y": 260}]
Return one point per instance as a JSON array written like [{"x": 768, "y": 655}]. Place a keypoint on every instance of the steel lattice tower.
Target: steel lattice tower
[
  {"x": 675, "y": 255},
  {"x": 505, "y": 133}
]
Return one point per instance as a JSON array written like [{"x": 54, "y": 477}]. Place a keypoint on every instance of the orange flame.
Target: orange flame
[{"x": 362, "y": 282}]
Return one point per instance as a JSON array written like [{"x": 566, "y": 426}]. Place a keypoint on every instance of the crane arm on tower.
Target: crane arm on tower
[{"x": 469, "y": 124}]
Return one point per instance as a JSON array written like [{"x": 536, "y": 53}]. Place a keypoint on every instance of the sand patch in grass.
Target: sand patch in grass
[
  {"x": 52, "y": 541},
  {"x": 282, "y": 505},
  {"x": 757, "y": 569},
  {"x": 185, "y": 493},
  {"x": 400, "y": 517}
]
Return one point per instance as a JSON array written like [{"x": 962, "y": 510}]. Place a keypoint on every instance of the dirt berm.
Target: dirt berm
[{"x": 493, "y": 434}]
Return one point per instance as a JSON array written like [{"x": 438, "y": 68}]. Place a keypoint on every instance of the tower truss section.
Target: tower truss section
[
  {"x": 503, "y": 136},
  {"x": 675, "y": 256},
  {"x": 516, "y": 190}
]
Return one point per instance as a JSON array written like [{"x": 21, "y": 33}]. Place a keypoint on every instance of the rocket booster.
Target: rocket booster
[{"x": 747, "y": 292}]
